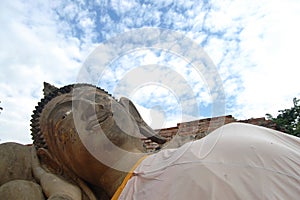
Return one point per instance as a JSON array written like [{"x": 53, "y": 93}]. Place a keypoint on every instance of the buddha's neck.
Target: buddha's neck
[{"x": 114, "y": 176}]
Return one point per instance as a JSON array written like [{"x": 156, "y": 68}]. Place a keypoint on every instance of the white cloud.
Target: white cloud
[
  {"x": 270, "y": 44},
  {"x": 121, "y": 7},
  {"x": 33, "y": 50},
  {"x": 255, "y": 51},
  {"x": 254, "y": 45},
  {"x": 216, "y": 49}
]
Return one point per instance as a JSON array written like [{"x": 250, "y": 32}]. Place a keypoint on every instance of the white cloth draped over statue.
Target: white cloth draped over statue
[{"x": 236, "y": 161}]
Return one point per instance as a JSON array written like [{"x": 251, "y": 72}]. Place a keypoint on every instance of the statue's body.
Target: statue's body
[
  {"x": 73, "y": 127},
  {"x": 236, "y": 161}
]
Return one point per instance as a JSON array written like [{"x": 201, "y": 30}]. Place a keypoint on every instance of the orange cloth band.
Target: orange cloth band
[{"x": 126, "y": 179}]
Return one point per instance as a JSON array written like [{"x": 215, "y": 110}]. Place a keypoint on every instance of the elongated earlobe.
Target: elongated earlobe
[{"x": 145, "y": 129}]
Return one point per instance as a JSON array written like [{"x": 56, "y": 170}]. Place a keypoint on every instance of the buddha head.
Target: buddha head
[{"x": 74, "y": 126}]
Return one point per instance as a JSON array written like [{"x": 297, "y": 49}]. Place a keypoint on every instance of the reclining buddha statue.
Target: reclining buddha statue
[{"x": 89, "y": 145}]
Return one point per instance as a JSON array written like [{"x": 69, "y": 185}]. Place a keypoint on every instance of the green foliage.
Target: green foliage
[{"x": 288, "y": 120}]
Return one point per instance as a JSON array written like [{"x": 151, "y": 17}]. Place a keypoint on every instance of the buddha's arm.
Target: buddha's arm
[{"x": 51, "y": 184}]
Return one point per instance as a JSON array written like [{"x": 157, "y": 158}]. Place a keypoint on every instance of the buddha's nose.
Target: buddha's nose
[{"x": 90, "y": 110}]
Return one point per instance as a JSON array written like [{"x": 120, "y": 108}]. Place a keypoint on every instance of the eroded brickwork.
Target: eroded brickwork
[{"x": 197, "y": 129}]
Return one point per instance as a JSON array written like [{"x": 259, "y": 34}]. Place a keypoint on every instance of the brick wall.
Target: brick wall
[{"x": 187, "y": 131}]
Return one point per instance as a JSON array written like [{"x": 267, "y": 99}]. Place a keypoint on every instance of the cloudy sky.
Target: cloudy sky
[{"x": 252, "y": 44}]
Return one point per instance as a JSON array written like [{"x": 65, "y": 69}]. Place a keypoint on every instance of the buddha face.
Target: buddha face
[
  {"x": 84, "y": 125},
  {"x": 96, "y": 113}
]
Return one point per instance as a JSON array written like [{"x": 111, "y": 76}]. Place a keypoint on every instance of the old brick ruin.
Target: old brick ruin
[{"x": 187, "y": 131}]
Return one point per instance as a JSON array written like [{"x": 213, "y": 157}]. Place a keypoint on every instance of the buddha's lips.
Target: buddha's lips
[{"x": 97, "y": 120}]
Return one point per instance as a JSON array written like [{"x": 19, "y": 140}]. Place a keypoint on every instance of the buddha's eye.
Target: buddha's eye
[{"x": 66, "y": 114}]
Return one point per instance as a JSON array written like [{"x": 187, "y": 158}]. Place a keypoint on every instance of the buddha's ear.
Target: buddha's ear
[
  {"x": 145, "y": 130},
  {"x": 48, "y": 88},
  {"x": 130, "y": 107}
]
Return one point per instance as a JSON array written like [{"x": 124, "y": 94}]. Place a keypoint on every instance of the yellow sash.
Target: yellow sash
[{"x": 126, "y": 179}]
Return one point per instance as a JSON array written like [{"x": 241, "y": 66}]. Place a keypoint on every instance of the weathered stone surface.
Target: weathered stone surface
[
  {"x": 21, "y": 190},
  {"x": 15, "y": 162},
  {"x": 71, "y": 140},
  {"x": 179, "y": 140},
  {"x": 60, "y": 197}
]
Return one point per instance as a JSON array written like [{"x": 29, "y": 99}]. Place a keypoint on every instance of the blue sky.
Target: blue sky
[{"x": 253, "y": 45}]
